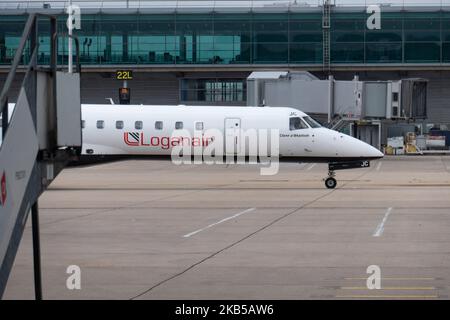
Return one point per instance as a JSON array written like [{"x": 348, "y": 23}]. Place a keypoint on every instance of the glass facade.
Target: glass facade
[
  {"x": 245, "y": 38},
  {"x": 213, "y": 90}
]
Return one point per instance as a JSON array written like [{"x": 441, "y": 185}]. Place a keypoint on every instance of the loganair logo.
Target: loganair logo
[
  {"x": 132, "y": 138},
  {"x": 3, "y": 189},
  {"x": 136, "y": 139}
]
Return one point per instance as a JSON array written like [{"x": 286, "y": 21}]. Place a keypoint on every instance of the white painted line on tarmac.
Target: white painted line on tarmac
[
  {"x": 390, "y": 288},
  {"x": 395, "y": 278},
  {"x": 362, "y": 296},
  {"x": 379, "y": 166},
  {"x": 311, "y": 166},
  {"x": 379, "y": 231},
  {"x": 219, "y": 222}
]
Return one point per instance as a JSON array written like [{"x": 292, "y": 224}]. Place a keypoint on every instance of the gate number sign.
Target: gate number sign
[{"x": 124, "y": 75}]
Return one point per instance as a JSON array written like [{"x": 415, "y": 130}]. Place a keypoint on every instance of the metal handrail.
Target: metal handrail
[{"x": 77, "y": 48}]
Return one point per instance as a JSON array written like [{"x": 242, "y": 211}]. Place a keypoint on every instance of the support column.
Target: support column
[
  {"x": 2, "y": 48},
  {"x": 194, "y": 47},
  {"x": 125, "y": 47},
  {"x": 36, "y": 251},
  {"x": 108, "y": 49},
  {"x": 183, "y": 48}
]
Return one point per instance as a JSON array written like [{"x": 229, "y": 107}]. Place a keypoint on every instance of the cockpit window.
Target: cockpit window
[
  {"x": 312, "y": 123},
  {"x": 297, "y": 124}
]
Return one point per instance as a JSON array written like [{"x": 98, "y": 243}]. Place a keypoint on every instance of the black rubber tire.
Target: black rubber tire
[{"x": 330, "y": 183}]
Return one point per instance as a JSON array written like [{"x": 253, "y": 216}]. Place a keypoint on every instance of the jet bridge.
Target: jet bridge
[
  {"x": 41, "y": 137},
  {"x": 359, "y": 108}
]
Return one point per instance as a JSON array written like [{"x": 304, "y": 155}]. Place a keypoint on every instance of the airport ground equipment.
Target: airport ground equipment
[{"x": 43, "y": 134}]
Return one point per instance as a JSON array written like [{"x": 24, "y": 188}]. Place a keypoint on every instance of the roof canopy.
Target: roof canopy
[{"x": 205, "y": 6}]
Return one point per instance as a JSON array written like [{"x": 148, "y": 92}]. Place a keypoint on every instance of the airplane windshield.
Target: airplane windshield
[{"x": 312, "y": 123}]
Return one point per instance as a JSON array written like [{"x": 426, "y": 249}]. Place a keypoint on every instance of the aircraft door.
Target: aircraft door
[{"x": 232, "y": 136}]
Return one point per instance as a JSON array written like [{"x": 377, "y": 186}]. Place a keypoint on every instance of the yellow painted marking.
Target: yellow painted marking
[{"x": 390, "y": 288}]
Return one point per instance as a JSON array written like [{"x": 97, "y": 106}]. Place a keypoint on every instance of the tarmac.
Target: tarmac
[{"x": 149, "y": 229}]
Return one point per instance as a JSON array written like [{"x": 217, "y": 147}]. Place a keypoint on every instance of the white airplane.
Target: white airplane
[
  {"x": 150, "y": 130},
  {"x": 110, "y": 130}
]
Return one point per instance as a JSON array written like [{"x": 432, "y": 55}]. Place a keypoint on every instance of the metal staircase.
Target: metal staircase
[
  {"x": 326, "y": 24},
  {"x": 339, "y": 122},
  {"x": 43, "y": 134}
]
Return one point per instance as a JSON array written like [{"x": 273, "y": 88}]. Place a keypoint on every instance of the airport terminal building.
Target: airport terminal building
[{"x": 201, "y": 52}]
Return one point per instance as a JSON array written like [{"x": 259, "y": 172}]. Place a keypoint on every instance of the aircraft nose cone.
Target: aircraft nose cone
[
  {"x": 376, "y": 153},
  {"x": 371, "y": 152},
  {"x": 350, "y": 147}
]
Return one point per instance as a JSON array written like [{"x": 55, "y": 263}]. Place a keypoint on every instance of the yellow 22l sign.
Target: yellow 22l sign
[{"x": 124, "y": 75}]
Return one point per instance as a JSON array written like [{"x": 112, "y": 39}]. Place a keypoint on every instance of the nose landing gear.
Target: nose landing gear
[{"x": 331, "y": 182}]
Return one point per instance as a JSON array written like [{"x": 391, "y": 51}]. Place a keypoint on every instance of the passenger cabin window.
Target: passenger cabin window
[
  {"x": 178, "y": 125},
  {"x": 158, "y": 125},
  {"x": 199, "y": 126},
  {"x": 312, "y": 123},
  {"x": 83, "y": 124},
  {"x": 119, "y": 124},
  {"x": 297, "y": 124},
  {"x": 100, "y": 124},
  {"x": 138, "y": 125}
]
